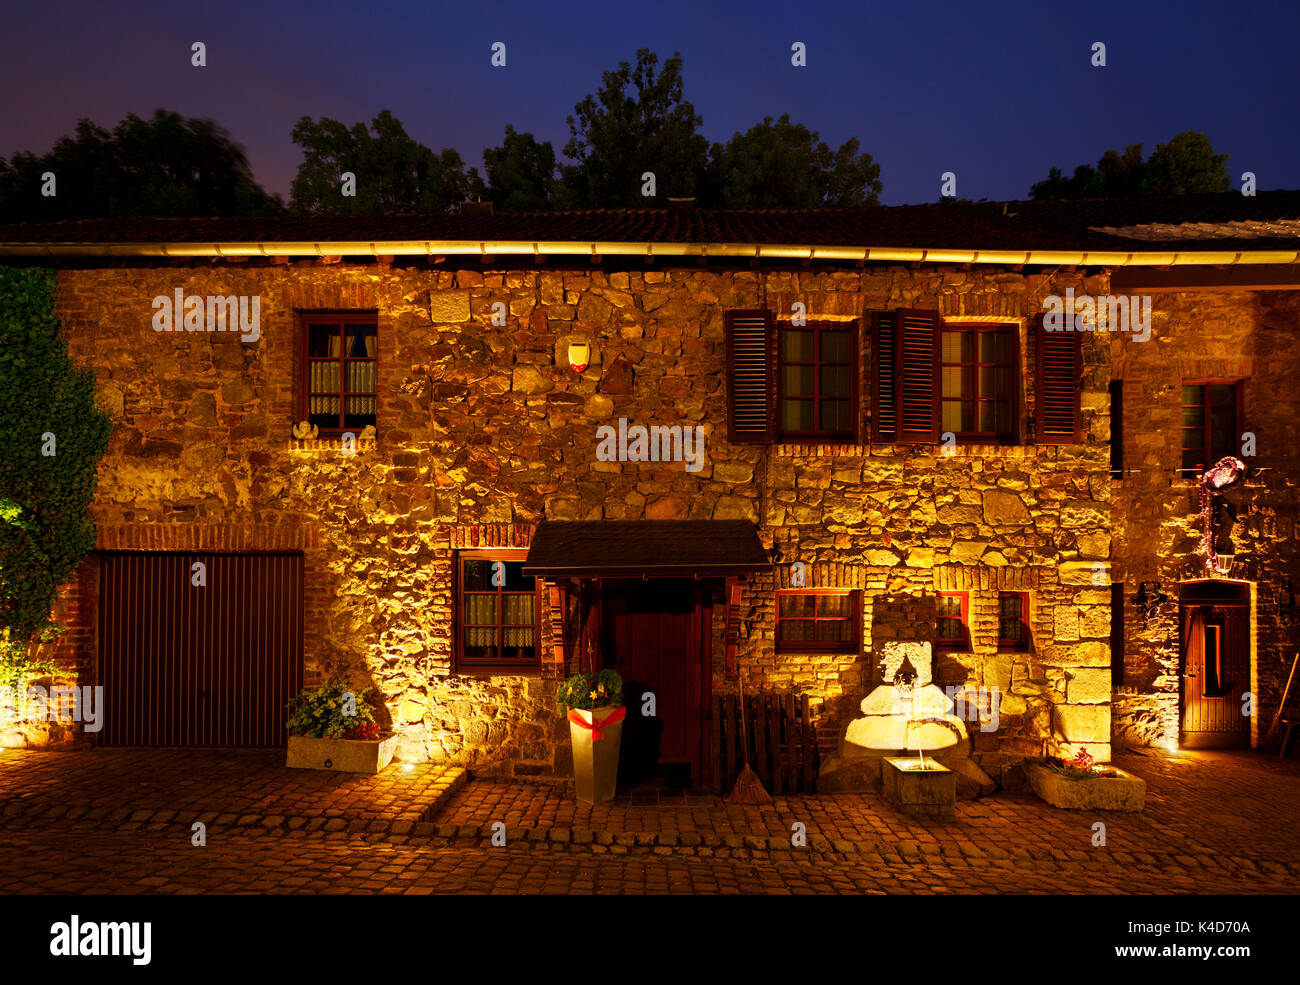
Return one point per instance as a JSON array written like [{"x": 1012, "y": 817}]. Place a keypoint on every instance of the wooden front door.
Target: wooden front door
[
  {"x": 1215, "y": 647},
  {"x": 655, "y": 633}
]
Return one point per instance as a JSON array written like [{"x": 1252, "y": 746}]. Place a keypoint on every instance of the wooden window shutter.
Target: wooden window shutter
[
  {"x": 751, "y": 376},
  {"x": 917, "y": 360},
  {"x": 884, "y": 392},
  {"x": 1059, "y": 379}
]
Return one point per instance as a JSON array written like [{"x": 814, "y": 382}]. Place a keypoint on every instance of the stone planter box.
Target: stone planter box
[
  {"x": 1125, "y": 792},
  {"x": 929, "y": 792},
  {"x": 340, "y": 755}
]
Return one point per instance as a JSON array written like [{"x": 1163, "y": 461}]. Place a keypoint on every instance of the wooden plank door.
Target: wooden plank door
[
  {"x": 189, "y": 665},
  {"x": 653, "y": 634},
  {"x": 1215, "y": 675}
]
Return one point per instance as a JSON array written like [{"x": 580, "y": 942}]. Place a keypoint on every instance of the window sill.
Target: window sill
[
  {"x": 484, "y": 672},
  {"x": 332, "y": 444},
  {"x": 818, "y": 651}
]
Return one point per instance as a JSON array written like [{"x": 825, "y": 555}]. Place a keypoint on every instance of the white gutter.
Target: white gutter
[{"x": 1092, "y": 258}]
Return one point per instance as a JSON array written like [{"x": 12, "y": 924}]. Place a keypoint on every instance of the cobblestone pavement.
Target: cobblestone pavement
[
  {"x": 1215, "y": 823},
  {"x": 205, "y": 784}
]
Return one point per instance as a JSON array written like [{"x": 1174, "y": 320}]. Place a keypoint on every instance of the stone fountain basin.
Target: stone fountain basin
[{"x": 929, "y": 791}]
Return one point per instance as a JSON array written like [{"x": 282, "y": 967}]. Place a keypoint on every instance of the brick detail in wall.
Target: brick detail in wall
[
  {"x": 206, "y": 537},
  {"x": 959, "y": 578},
  {"x": 479, "y": 536},
  {"x": 1228, "y": 368}
]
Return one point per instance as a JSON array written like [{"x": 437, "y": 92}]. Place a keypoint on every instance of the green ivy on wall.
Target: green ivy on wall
[{"x": 52, "y": 437}]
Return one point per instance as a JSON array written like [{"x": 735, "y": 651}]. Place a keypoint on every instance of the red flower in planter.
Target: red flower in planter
[
  {"x": 1083, "y": 761},
  {"x": 365, "y": 733}
]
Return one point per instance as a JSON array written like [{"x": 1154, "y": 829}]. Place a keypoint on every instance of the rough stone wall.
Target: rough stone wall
[
  {"x": 484, "y": 430},
  {"x": 1155, "y": 513}
]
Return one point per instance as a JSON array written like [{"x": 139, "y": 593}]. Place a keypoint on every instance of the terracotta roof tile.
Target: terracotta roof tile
[{"x": 1092, "y": 224}]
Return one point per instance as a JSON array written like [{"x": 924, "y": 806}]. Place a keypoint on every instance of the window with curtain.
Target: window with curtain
[
  {"x": 978, "y": 381},
  {"x": 341, "y": 372},
  {"x": 498, "y": 613},
  {"x": 827, "y": 621},
  {"x": 1013, "y": 621},
  {"x": 952, "y": 629}
]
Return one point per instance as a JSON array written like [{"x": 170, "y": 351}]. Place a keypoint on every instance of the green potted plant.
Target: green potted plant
[
  {"x": 593, "y": 703},
  {"x": 333, "y": 727}
]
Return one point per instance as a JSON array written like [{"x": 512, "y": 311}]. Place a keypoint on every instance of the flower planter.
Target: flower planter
[
  {"x": 1125, "y": 792},
  {"x": 340, "y": 755},
  {"x": 928, "y": 792},
  {"x": 596, "y": 736}
]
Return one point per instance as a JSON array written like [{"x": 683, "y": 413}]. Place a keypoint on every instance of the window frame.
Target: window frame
[
  {"x": 1005, "y": 644},
  {"x": 853, "y": 645},
  {"x": 307, "y": 319},
  {"x": 853, "y": 330},
  {"x": 948, "y": 643},
  {"x": 497, "y": 667},
  {"x": 1014, "y": 368},
  {"x": 1207, "y": 441}
]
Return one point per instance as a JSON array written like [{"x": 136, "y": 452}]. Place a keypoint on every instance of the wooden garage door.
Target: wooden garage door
[{"x": 184, "y": 664}]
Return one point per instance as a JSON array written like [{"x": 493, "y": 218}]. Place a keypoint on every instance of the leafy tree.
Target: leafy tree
[
  {"x": 521, "y": 172},
  {"x": 393, "y": 172},
  {"x": 782, "y": 164},
  {"x": 54, "y": 439},
  {"x": 164, "y": 166},
  {"x": 1187, "y": 165},
  {"x": 637, "y": 122}
]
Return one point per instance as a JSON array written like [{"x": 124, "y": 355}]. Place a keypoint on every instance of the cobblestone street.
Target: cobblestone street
[{"x": 1214, "y": 823}]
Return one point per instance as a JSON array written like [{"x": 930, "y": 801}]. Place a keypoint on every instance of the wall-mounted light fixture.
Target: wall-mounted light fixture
[
  {"x": 1286, "y": 604},
  {"x": 579, "y": 356}
]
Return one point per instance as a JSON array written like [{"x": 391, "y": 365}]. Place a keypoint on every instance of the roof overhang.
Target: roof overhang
[
  {"x": 1256, "y": 277},
  {"x": 645, "y": 549},
  {"x": 760, "y": 251}
]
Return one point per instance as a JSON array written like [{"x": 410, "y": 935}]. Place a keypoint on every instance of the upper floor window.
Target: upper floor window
[
  {"x": 340, "y": 371},
  {"x": 818, "y": 381},
  {"x": 796, "y": 382},
  {"x": 1211, "y": 424},
  {"x": 497, "y": 608},
  {"x": 979, "y": 382},
  {"x": 825, "y": 620}
]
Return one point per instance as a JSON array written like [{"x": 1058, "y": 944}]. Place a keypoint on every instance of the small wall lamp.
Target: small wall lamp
[
  {"x": 579, "y": 356},
  {"x": 1286, "y": 604}
]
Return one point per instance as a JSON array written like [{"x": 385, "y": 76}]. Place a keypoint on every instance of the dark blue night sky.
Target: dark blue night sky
[{"x": 996, "y": 92}]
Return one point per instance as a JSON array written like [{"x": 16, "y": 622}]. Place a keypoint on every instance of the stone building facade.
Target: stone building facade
[{"x": 483, "y": 431}]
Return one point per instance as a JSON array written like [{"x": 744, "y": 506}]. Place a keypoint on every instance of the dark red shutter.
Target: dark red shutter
[
  {"x": 884, "y": 393},
  {"x": 1059, "y": 378},
  {"x": 751, "y": 377},
  {"x": 917, "y": 375}
]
